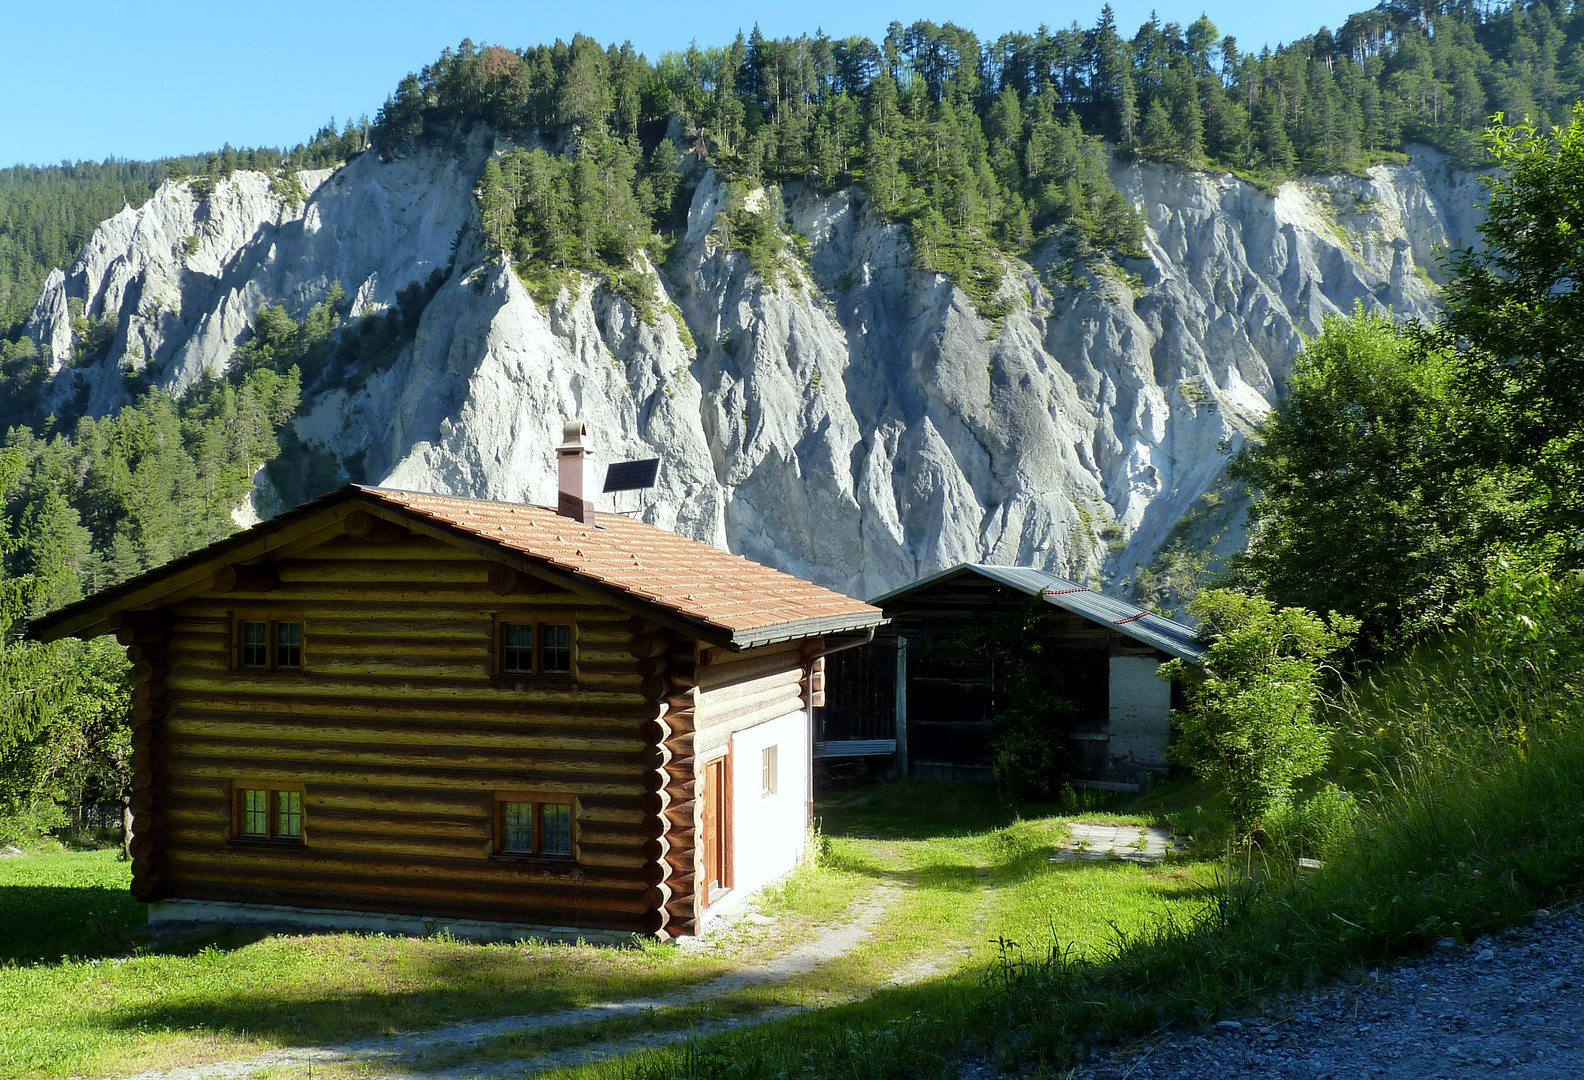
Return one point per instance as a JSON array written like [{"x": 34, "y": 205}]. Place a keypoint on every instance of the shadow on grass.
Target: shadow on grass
[
  {"x": 922, "y": 810},
  {"x": 48, "y": 922},
  {"x": 462, "y": 983}
]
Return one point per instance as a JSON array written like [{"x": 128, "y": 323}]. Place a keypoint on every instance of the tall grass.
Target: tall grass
[{"x": 1466, "y": 761}]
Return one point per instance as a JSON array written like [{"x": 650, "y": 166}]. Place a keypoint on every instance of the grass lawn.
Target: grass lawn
[
  {"x": 100, "y": 1011},
  {"x": 957, "y": 871}
]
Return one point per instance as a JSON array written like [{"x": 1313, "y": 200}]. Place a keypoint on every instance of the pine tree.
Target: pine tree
[
  {"x": 1181, "y": 89},
  {"x": 58, "y": 548},
  {"x": 1274, "y": 144},
  {"x": 1159, "y": 136},
  {"x": 584, "y": 97},
  {"x": 497, "y": 214},
  {"x": 1127, "y": 115}
]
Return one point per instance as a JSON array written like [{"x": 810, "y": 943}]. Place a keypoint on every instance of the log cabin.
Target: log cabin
[
  {"x": 401, "y": 711},
  {"x": 912, "y": 705}
]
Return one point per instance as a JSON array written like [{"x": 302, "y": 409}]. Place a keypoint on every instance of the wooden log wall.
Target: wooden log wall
[
  {"x": 667, "y": 663},
  {"x": 145, "y": 635},
  {"x": 738, "y": 690},
  {"x": 401, "y": 734}
]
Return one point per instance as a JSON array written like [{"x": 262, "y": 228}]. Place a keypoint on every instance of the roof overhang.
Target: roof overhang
[
  {"x": 1142, "y": 625},
  {"x": 321, "y": 519},
  {"x": 193, "y": 573}
]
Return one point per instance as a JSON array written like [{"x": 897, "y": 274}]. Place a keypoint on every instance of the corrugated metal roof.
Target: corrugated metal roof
[{"x": 1141, "y": 624}]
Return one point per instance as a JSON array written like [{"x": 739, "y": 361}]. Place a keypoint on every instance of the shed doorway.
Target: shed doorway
[{"x": 715, "y": 828}]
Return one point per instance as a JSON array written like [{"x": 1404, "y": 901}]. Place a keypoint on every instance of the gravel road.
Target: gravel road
[{"x": 1509, "y": 1006}]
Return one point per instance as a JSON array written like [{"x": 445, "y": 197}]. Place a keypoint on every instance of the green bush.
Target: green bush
[{"x": 1251, "y": 726}]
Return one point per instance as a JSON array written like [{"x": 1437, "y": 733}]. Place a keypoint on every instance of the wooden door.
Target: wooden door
[{"x": 716, "y": 829}]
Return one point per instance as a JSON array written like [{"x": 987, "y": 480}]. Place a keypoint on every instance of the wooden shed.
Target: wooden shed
[
  {"x": 916, "y": 708},
  {"x": 404, "y": 711}
]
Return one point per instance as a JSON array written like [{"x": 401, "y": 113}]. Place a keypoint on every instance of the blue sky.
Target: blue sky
[{"x": 93, "y": 79}]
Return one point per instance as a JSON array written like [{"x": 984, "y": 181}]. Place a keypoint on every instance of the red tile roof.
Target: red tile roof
[{"x": 744, "y": 601}]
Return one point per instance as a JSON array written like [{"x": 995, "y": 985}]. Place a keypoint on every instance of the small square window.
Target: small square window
[
  {"x": 534, "y": 828},
  {"x": 768, "y": 767},
  {"x": 269, "y": 644},
  {"x": 269, "y": 814},
  {"x": 255, "y": 644},
  {"x": 517, "y": 647},
  {"x": 288, "y": 644},
  {"x": 556, "y": 658}
]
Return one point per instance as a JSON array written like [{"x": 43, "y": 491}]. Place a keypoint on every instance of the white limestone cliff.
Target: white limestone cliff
[{"x": 856, "y": 421}]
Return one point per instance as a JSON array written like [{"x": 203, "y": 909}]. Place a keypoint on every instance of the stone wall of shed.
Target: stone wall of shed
[{"x": 1140, "y": 722}]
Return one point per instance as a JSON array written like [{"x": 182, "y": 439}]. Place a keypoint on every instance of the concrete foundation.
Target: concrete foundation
[{"x": 166, "y": 916}]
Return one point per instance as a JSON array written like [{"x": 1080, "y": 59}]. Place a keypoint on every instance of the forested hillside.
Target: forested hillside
[
  {"x": 47, "y": 212},
  {"x": 981, "y": 147},
  {"x": 978, "y": 145}
]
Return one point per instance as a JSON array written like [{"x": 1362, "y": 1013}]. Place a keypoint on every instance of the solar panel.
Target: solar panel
[{"x": 632, "y": 475}]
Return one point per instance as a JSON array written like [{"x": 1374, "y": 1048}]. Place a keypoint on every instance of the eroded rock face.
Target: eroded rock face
[{"x": 854, "y": 421}]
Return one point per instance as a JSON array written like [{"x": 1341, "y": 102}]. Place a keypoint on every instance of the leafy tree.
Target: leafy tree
[
  {"x": 64, "y": 736},
  {"x": 1251, "y": 726},
  {"x": 1515, "y": 319},
  {"x": 1360, "y": 501}
]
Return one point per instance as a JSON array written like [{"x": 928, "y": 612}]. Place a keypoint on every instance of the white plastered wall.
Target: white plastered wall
[
  {"x": 1140, "y": 714},
  {"x": 769, "y": 832}
]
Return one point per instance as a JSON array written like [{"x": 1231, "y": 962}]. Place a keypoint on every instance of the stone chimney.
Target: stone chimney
[{"x": 575, "y": 465}]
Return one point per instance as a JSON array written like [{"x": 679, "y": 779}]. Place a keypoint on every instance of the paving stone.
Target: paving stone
[{"x": 1129, "y": 843}]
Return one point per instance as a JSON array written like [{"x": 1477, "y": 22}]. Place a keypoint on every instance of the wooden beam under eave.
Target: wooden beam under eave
[{"x": 199, "y": 578}]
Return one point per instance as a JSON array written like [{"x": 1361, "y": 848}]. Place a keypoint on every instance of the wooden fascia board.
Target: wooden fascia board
[{"x": 189, "y": 581}]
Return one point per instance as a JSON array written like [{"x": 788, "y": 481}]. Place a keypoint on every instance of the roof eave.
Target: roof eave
[
  {"x": 89, "y": 616},
  {"x": 933, "y": 579},
  {"x": 1057, "y": 599},
  {"x": 1128, "y": 629},
  {"x": 804, "y": 628},
  {"x": 710, "y": 633}
]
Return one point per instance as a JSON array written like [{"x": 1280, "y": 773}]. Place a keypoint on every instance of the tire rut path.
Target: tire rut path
[{"x": 390, "y": 1051}]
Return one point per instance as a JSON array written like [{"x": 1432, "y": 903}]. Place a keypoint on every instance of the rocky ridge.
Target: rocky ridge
[{"x": 856, "y": 420}]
